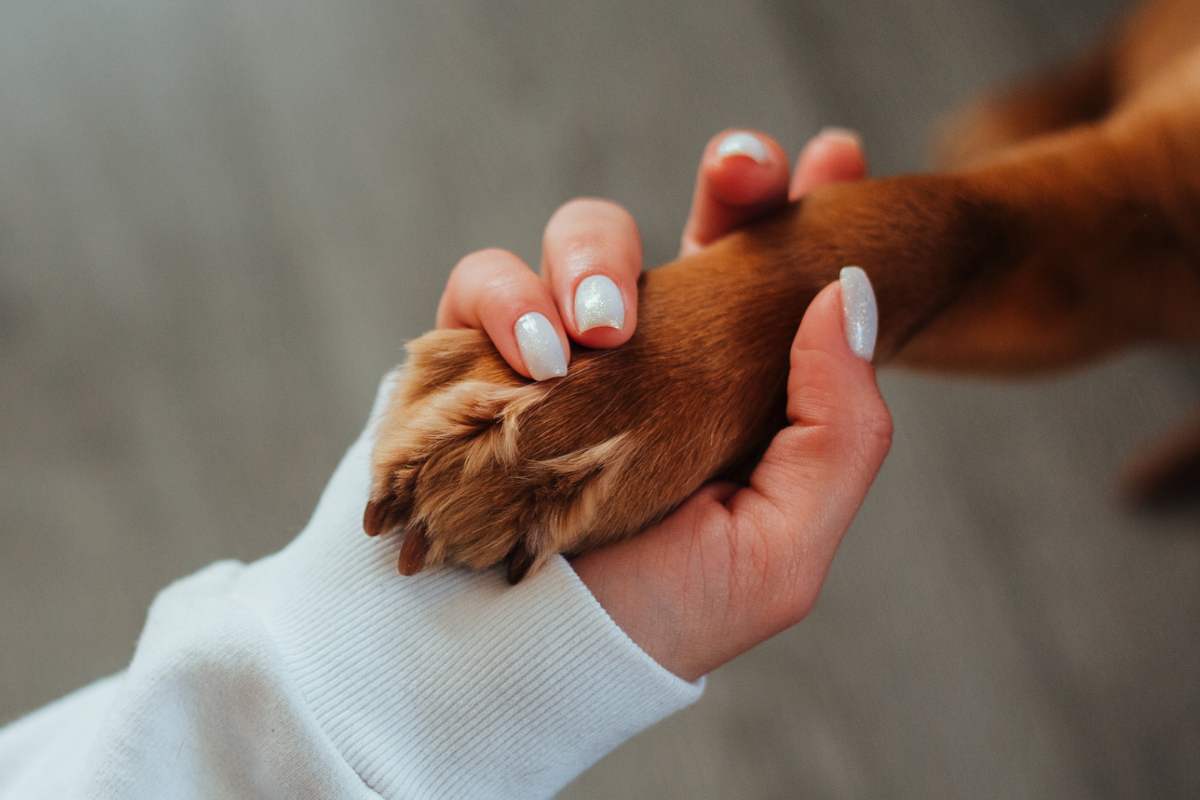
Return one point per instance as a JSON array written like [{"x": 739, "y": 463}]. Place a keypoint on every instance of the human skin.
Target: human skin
[{"x": 734, "y": 565}]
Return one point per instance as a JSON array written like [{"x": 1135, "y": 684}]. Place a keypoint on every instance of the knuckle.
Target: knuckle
[
  {"x": 488, "y": 272},
  {"x": 879, "y": 425},
  {"x": 589, "y": 235},
  {"x": 817, "y": 397},
  {"x": 873, "y": 439},
  {"x": 875, "y": 429},
  {"x": 484, "y": 259},
  {"x": 590, "y": 220},
  {"x": 488, "y": 283},
  {"x": 812, "y": 395},
  {"x": 833, "y": 424}
]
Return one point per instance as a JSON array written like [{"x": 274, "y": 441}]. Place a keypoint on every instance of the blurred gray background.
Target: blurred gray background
[{"x": 220, "y": 220}]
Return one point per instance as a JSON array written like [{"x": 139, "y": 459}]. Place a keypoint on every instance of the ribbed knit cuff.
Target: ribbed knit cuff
[{"x": 450, "y": 684}]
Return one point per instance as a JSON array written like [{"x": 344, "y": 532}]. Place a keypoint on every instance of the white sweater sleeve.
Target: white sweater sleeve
[{"x": 319, "y": 672}]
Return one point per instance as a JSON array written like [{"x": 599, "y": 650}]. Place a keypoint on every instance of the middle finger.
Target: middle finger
[{"x": 592, "y": 258}]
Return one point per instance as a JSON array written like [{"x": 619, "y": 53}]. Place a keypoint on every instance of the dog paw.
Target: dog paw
[{"x": 477, "y": 466}]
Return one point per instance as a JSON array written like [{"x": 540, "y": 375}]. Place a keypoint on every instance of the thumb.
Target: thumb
[
  {"x": 815, "y": 474},
  {"x": 722, "y": 573}
]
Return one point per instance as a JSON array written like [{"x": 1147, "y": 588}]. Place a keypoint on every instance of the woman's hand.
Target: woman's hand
[
  {"x": 733, "y": 565},
  {"x": 592, "y": 252}
]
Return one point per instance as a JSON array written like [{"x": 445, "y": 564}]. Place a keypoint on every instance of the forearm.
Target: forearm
[{"x": 321, "y": 672}]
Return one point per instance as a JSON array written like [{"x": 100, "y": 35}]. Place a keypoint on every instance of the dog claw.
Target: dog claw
[
  {"x": 519, "y": 562},
  {"x": 384, "y": 514},
  {"x": 413, "y": 551},
  {"x": 375, "y": 517}
]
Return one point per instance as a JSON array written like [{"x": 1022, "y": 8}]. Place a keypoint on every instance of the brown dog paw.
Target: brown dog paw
[{"x": 478, "y": 466}]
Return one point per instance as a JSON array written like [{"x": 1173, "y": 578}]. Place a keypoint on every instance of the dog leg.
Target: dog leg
[
  {"x": 1072, "y": 94},
  {"x": 1058, "y": 251}
]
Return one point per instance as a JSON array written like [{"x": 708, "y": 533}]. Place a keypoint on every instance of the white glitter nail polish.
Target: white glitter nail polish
[
  {"x": 860, "y": 315},
  {"x": 741, "y": 143},
  {"x": 598, "y": 304},
  {"x": 540, "y": 347}
]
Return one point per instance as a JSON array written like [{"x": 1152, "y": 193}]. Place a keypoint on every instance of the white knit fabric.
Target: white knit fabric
[{"x": 319, "y": 672}]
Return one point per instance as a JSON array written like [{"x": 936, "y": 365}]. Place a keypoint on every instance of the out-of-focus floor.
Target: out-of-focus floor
[{"x": 220, "y": 220}]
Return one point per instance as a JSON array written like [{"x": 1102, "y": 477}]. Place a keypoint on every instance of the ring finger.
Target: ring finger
[{"x": 591, "y": 259}]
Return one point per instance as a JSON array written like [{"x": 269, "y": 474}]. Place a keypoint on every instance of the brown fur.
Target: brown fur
[{"x": 1069, "y": 227}]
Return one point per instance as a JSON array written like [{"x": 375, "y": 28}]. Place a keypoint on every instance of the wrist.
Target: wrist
[{"x": 643, "y": 607}]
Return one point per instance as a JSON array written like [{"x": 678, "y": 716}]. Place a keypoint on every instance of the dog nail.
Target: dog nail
[
  {"x": 741, "y": 143},
  {"x": 598, "y": 304},
  {"x": 540, "y": 347},
  {"x": 520, "y": 560},
  {"x": 413, "y": 551},
  {"x": 859, "y": 313},
  {"x": 376, "y": 517}
]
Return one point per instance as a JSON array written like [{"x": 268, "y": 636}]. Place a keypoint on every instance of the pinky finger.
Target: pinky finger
[{"x": 834, "y": 155}]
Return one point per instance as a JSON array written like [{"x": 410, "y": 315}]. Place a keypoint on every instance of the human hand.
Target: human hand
[
  {"x": 733, "y": 565},
  {"x": 592, "y": 252}
]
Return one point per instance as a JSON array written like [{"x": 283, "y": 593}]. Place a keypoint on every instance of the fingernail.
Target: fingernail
[
  {"x": 598, "y": 304},
  {"x": 540, "y": 347},
  {"x": 860, "y": 317},
  {"x": 741, "y": 143},
  {"x": 844, "y": 134}
]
